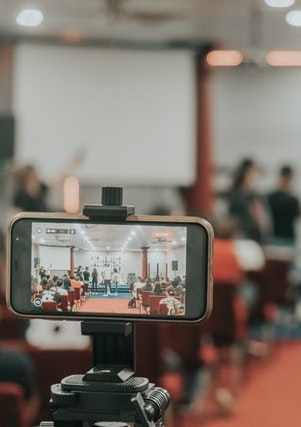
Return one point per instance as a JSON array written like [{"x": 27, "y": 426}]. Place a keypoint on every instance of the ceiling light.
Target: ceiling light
[
  {"x": 29, "y": 17},
  {"x": 294, "y": 18},
  {"x": 279, "y": 3},
  {"x": 284, "y": 58},
  {"x": 224, "y": 58}
]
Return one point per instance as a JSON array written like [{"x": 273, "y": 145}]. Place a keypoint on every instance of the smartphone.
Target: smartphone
[{"x": 66, "y": 266}]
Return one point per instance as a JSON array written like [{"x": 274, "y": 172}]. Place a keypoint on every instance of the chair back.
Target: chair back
[
  {"x": 49, "y": 305},
  {"x": 154, "y": 303},
  {"x": 222, "y": 322},
  {"x": 64, "y": 303},
  {"x": 145, "y": 295},
  {"x": 77, "y": 293},
  {"x": 86, "y": 288},
  {"x": 163, "y": 309},
  {"x": 71, "y": 297},
  {"x": 12, "y": 405}
]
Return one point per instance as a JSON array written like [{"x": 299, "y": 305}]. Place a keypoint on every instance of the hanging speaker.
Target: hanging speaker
[
  {"x": 174, "y": 265},
  {"x": 7, "y": 137}
]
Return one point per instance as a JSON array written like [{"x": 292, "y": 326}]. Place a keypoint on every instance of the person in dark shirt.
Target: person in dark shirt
[
  {"x": 284, "y": 208},
  {"x": 246, "y": 206},
  {"x": 31, "y": 193}
]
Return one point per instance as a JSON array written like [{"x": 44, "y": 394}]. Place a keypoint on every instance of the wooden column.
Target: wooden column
[
  {"x": 144, "y": 261},
  {"x": 199, "y": 197},
  {"x": 72, "y": 261}
]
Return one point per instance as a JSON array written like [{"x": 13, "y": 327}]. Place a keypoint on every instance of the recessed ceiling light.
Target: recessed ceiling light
[
  {"x": 280, "y": 3},
  {"x": 29, "y": 17},
  {"x": 294, "y": 18}
]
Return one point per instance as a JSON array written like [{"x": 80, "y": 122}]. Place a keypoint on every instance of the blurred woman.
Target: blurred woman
[{"x": 246, "y": 205}]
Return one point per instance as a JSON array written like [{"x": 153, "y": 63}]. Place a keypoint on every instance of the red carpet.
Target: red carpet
[
  {"x": 272, "y": 396},
  {"x": 108, "y": 305}
]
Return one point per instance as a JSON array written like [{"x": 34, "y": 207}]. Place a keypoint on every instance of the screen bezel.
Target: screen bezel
[{"x": 198, "y": 265}]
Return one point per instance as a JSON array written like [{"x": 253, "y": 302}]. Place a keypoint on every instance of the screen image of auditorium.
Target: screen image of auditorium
[{"x": 136, "y": 268}]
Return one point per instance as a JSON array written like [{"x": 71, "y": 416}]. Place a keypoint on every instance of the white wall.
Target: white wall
[
  {"x": 133, "y": 112},
  {"x": 58, "y": 258},
  {"x": 130, "y": 262},
  {"x": 256, "y": 112}
]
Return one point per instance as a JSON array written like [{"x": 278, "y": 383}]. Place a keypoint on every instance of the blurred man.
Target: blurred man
[{"x": 284, "y": 207}]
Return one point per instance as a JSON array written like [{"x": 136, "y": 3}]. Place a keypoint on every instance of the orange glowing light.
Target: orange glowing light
[
  {"x": 71, "y": 194},
  {"x": 224, "y": 58},
  {"x": 284, "y": 58}
]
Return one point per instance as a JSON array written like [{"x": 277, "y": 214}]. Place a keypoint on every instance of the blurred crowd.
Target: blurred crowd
[{"x": 253, "y": 233}]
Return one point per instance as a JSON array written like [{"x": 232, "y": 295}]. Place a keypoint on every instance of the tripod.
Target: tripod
[{"x": 108, "y": 395}]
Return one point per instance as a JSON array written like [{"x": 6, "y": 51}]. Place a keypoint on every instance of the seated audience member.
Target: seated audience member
[
  {"x": 76, "y": 283},
  {"x": 60, "y": 289},
  {"x": 48, "y": 293},
  {"x": 173, "y": 305},
  {"x": 137, "y": 286},
  {"x": 158, "y": 289},
  {"x": 234, "y": 257},
  {"x": 180, "y": 290},
  {"x": 15, "y": 366},
  {"x": 148, "y": 286},
  {"x": 67, "y": 284}
]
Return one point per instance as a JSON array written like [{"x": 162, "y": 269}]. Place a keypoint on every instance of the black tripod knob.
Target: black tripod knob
[{"x": 112, "y": 196}]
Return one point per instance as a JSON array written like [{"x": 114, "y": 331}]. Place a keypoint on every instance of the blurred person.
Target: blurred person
[
  {"x": 86, "y": 275},
  {"x": 246, "y": 205},
  {"x": 173, "y": 304},
  {"x": 158, "y": 289},
  {"x": 15, "y": 366},
  {"x": 107, "y": 277},
  {"x": 31, "y": 192},
  {"x": 148, "y": 286},
  {"x": 94, "y": 281},
  {"x": 137, "y": 286},
  {"x": 49, "y": 292},
  {"x": 60, "y": 288},
  {"x": 234, "y": 258},
  {"x": 284, "y": 208},
  {"x": 115, "y": 279},
  {"x": 79, "y": 273}
]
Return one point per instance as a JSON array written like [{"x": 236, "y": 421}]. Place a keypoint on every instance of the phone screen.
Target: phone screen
[{"x": 75, "y": 268}]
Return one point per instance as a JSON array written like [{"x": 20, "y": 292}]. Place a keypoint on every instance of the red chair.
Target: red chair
[
  {"x": 71, "y": 297},
  {"x": 163, "y": 309},
  {"x": 12, "y": 405},
  {"x": 154, "y": 301},
  {"x": 49, "y": 305},
  {"x": 64, "y": 304},
  {"x": 77, "y": 298},
  {"x": 145, "y": 296},
  {"x": 86, "y": 291}
]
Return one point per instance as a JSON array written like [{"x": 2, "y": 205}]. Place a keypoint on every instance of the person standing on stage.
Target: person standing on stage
[{"x": 107, "y": 277}]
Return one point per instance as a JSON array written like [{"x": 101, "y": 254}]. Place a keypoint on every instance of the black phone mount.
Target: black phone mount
[{"x": 108, "y": 395}]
